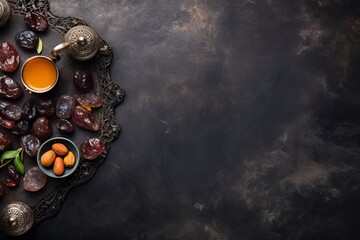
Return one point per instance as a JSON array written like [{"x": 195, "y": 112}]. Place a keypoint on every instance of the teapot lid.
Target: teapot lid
[
  {"x": 16, "y": 218},
  {"x": 83, "y": 41}
]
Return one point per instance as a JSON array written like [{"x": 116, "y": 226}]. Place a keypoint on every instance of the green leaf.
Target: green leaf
[
  {"x": 19, "y": 165},
  {"x": 39, "y": 46},
  {"x": 8, "y": 154}
]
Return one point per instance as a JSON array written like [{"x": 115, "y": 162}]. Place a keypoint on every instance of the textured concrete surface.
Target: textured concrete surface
[{"x": 241, "y": 121}]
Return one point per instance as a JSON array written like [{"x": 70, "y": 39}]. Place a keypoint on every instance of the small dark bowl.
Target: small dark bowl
[{"x": 47, "y": 146}]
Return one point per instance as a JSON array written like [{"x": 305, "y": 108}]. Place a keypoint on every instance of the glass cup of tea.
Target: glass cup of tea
[{"x": 39, "y": 74}]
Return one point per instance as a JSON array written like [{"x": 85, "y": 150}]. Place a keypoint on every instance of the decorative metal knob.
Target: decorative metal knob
[
  {"x": 81, "y": 42},
  {"x": 5, "y": 12},
  {"x": 16, "y": 218}
]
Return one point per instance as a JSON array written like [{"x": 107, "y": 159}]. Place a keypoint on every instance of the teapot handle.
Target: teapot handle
[{"x": 55, "y": 51}]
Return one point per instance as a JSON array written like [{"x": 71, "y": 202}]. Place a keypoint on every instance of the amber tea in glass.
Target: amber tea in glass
[{"x": 39, "y": 74}]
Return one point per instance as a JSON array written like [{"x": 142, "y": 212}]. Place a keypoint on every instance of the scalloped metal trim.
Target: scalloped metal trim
[{"x": 112, "y": 94}]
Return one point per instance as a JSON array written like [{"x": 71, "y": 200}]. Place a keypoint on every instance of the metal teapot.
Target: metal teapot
[
  {"x": 5, "y": 12},
  {"x": 81, "y": 42}
]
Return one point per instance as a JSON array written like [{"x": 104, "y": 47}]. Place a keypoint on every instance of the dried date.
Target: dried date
[
  {"x": 9, "y": 57},
  {"x": 64, "y": 126},
  {"x": 30, "y": 144},
  {"x": 41, "y": 128},
  {"x": 12, "y": 176},
  {"x": 85, "y": 119},
  {"x": 5, "y": 142},
  {"x": 46, "y": 107},
  {"x": 34, "y": 179},
  {"x": 6, "y": 123},
  {"x": 10, "y": 88},
  {"x": 92, "y": 148},
  {"x": 10, "y": 111},
  {"x": 27, "y": 39},
  {"x": 90, "y": 99},
  {"x": 28, "y": 110},
  {"x": 64, "y": 107},
  {"x": 21, "y": 128},
  {"x": 83, "y": 81},
  {"x": 36, "y": 22}
]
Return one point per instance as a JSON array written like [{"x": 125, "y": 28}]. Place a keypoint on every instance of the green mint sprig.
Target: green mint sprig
[{"x": 13, "y": 155}]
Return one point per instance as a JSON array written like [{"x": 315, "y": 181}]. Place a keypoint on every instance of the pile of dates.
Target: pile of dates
[
  {"x": 32, "y": 121},
  {"x": 27, "y": 39},
  {"x": 9, "y": 57}
]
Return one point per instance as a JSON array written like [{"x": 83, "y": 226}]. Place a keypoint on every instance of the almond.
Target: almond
[
  {"x": 60, "y": 149},
  {"x": 69, "y": 160},
  {"x": 59, "y": 167},
  {"x": 48, "y": 158}
]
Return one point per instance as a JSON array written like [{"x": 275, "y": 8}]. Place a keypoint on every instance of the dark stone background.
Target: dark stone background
[{"x": 241, "y": 121}]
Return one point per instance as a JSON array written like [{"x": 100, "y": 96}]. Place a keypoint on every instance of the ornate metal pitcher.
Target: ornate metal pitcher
[{"x": 81, "y": 42}]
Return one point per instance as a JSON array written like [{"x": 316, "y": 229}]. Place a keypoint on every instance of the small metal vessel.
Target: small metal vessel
[
  {"x": 16, "y": 218},
  {"x": 5, "y": 12}
]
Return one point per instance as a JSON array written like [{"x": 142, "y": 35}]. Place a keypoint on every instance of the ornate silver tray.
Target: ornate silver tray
[{"x": 112, "y": 94}]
